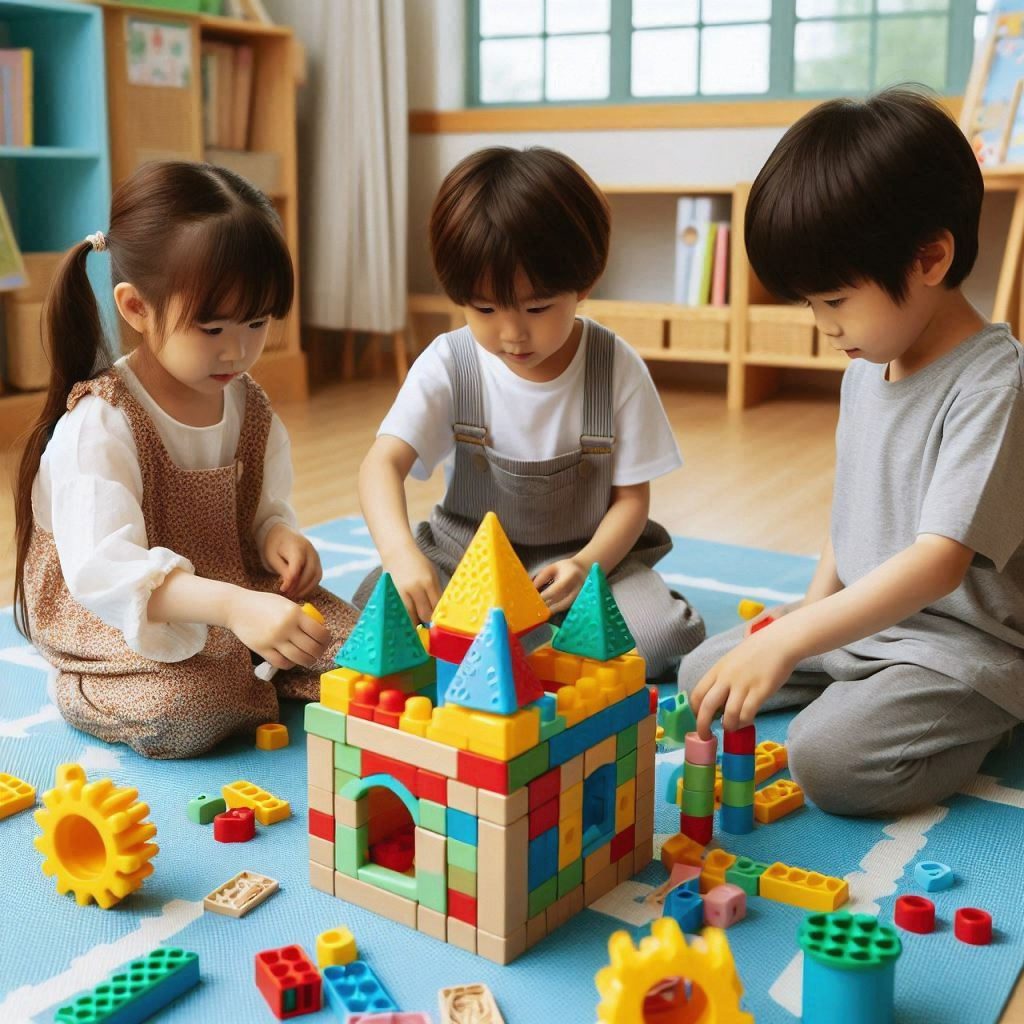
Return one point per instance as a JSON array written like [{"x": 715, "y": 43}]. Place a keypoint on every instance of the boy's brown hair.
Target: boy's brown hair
[{"x": 501, "y": 210}]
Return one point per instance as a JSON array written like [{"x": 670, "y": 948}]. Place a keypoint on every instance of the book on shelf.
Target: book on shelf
[
  {"x": 16, "y": 97},
  {"x": 720, "y": 273},
  {"x": 700, "y": 246},
  {"x": 227, "y": 83}
]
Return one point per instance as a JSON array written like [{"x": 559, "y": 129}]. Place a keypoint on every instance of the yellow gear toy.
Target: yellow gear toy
[
  {"x": 93, "y": 838},
  {"x": 665, "y": 955}
]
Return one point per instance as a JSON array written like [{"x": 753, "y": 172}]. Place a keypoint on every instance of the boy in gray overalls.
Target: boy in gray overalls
[
  {"x": 907, "y": 648},
  {"x": 554, "y": 422}
]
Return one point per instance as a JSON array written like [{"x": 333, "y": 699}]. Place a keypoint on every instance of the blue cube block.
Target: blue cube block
[
  {"x": 461, "y": 826},
  {"x": 542, "y": 858},
  {"x": 687, "y": 907},
  {"x": 738, "y": 767},
  {"x": 354, "y": 988},
  {"x": 933, "y": 876},
  {"x": 737, "y": 821}
]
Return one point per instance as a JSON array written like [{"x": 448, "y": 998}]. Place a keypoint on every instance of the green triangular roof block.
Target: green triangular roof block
[
  {"x": 384, "y": 640},
  {"x": 594, "y": 626}
]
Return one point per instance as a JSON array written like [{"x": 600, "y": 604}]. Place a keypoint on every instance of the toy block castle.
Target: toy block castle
[{"x": 465, "y": 788}]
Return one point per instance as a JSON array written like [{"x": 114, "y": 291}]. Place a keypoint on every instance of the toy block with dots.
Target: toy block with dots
[
  {"x": 354, "y": 988},
  {"x": 267, "y": 807},
  {"x": 776, "y": 800},
  {"x": 468, "y": 818},
  {"x": 288, "y": 981},
  {"x": 15, "y": 795}
]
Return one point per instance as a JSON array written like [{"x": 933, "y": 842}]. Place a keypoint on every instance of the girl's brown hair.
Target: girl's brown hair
[{"x": 193, "y": 233}]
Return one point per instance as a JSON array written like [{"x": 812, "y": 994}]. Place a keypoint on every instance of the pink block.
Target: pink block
[
  {"x": 725, "y": 905},
  {"x": 700, "y": 751},
  {"x": 682, "y": 873},
  {"x": 389, "y": 1018}
]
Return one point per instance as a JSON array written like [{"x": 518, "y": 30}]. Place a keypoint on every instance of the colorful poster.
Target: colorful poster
[{"x": 159, "y": 53}]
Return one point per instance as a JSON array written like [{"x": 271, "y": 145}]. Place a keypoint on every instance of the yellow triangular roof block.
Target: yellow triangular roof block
[{"x": 490, "y": 575}]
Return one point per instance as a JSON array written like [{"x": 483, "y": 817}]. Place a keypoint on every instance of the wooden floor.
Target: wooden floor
[{"x": 761, "y": 478}]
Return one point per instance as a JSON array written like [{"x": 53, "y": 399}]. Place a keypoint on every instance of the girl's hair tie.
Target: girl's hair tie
[{"x": 98, "y": 241}]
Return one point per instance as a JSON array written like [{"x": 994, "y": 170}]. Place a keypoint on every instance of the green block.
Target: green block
[
  {"x": 432, "y": 891},
  {"x": 676, "y": 717},
  {"x": 698, "y": 803},
  {"x": 388, "y": 880},
  {"x": 594, "y": 627},
  {"x": 462, "y": 880},
  {"x": 527, "y": 767},
  {"x": 348, "y": 759},
  {"x": 626, "y": 741},
  {"x": 462, "y": 854},
  {"x": 326, "y": 722},
  {"x": 433, "y": 817},
  {"x": 699, "y": 776},
  {"x": 737, "y": 794},
  {"x": 543, "y": 896},
  {"x": 570, "y": 877},
  {"x": 342, "y": 779},
  {"x": 552, "y": 728},
  {"x": 852, "y": 942},
  {"x": 203, "y": 809},
  {"x": 351, "y": 849},
  {"x": 746, "y": 873},
  {"x": 421, "y": 675},
  {"x": 625, "y": 768}
]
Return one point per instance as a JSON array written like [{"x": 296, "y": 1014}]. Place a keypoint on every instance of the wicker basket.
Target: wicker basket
[
  {"x": 700, "y": 329},
  {"x": 27, "y": 366},
  {"x": 780, "y": 330}
]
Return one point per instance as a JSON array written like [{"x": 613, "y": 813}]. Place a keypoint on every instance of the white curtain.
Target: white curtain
[{"x": 353, "y": 164}]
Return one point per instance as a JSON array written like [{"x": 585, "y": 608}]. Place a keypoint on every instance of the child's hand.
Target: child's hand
[
  {"x": 416, "y": 581},
  {"x": 276, "y": 629},
  {"x": 294, "y": 559},
  {"x": 560, "y": 582}
]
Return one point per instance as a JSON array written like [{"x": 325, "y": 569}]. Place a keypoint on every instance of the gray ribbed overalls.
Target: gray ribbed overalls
[{"x": 550, "y": 509}]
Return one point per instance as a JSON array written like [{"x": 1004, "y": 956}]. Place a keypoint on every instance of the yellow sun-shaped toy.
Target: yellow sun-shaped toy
[
  {"x": 93, "y": 838},
  {"x": 665, "y": 957}
]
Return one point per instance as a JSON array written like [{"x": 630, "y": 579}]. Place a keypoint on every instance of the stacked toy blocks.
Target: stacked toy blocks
[
  {"x": 470, "y": 790},
  {"x": 698, "y": 808},
  {"x": 737, "y": 814}
]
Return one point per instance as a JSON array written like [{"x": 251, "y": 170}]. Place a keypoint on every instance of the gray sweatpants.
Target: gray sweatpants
[{"x": 875, "y": 737}]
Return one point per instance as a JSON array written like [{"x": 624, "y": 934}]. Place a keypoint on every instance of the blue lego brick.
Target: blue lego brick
[
  {"x": 542, "y": 858},
  {"x": 687, "y": 907},
  {"x": 738, "y": 767},
  {"x": 933, "y": 876},
  {"x": 461, "y": 826},
  {"x": 737, "y": 821},
  {"x": 445, "y": 674},
  {"x": 608, "y": 722},
  {"x": 354, "y": 988}
]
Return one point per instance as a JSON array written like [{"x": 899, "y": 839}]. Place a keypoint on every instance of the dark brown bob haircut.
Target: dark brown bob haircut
[
  {"x": 854, "y": 190},
  {"x": 501, "y": 209}
]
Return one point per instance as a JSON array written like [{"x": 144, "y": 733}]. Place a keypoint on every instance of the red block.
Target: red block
[
  {"x": 652, "y": 694},
  {"x": 973, "y": 926},
  {"x": 545, "y": 788},
  {"x": 321, "y": 825},
  {"x": 543, "y": 818},
  {"x": 448, "y": 644},
  {"x": 699, "y": 830},
  {"x": 915, "y": 914},
  {"x": 378, "y": 764},
  {"x": 432, "y": 786},
  {"x": 739, "y": 741},
  {"x": 284, "y": 970},
  {"x": 235, "y": 826},
  {"x": 365, "y": 696},
  {"x": 761, "y": 623},
  {"x": 462, "y": 907},
  {"x": 397, "y": 852},
  {"x": 390, "y": 708},
  {"x": 483, "y": 772},
  {"x": 623, "y": 843}
]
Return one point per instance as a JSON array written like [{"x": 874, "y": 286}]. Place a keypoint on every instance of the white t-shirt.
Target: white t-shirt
[
  {"x": 535, "y": 421},
  {"x": 88, "y": 494}
]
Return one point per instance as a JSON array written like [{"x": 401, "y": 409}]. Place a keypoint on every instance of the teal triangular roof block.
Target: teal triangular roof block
[
  {"x": 594, "y": 626},
  {"x": 384, "y": 640},
  {"x": 494, "y": 675}
]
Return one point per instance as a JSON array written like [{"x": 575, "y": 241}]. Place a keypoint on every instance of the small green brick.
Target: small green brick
[
  {"x": 849, "y": 942},
  {"x": 676, "y": 717},
  {"x": 625, "y": 741},
  {"x": 326, "y": 722},
  {"x": 462, "y": 880},
  {"x": 543, "y": 896},
  {"x": 625, "y": 768},
  {"x": 433, "y": 817},
  {"x": 698, "y": 803},
  {"x": 348, "y": 759},
  {"x": 342, "y": 779},
  {"x": 203, "y": 809},
  {"x": 351, "y": 849},
  {"x": 737, "y": 794},
  {"x": 388, "y": 880},
  {"x": 570, "y": 877},
  {"x": 527, "y": 767},
  {"x": 462, "y": 854},
  {"x": 746, "y": 873},
  {"x": 552, "y": 728},
  {"x": 699, "y": 776},
  {"x": 432, "y": 891}
]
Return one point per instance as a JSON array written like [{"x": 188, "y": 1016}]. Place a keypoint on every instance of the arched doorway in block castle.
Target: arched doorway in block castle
[{"x": 385, "y": 853}]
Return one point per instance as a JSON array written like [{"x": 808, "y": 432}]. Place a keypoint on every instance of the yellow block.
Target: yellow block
[
  {"x": 748, "y": 609},
  {"x": 490, "y": 575},
  {"x": 567, "y": 704},
  {"x": 267, "y": 807},
  {"x": 336, "y": 947},
  {"x": 801, "y": 888},
  {"x": 570, "y": 803},
  {"x": 417, "y": 716},
  {"x": 570, "y": 840},
  {"x": 625, "y": 805},
  {"x": 713, "y": 870},
  {"x": 15, "y": 795},
  {"x": 628, "y": 669},
  {"x": 271, "y": 736},
  {"x": 424, "y": 634},
  {"x": 777, "y": 800},
  {"x": 777, "y": 751},
  {"x": 764, "y": 766},
  {"x": 592, "y": 699},
  {"x": 502, "y": 737},
  {"x": 448, "y": 727},
  {"x": 681, "y": 849},
  {"x": 337, "y": 688}
]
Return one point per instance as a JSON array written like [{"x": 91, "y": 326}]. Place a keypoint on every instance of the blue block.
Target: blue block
[
  {"x": 673, "y": 783},
  {"x": 687, "y": 907},
  {"x": 445, "y": 674},
  {"x": 461, "y": 826},
  {"x": 738, "y": 767},
  {"x": 354, "y": 988},
  {"x": 737, "y": 821},
  {"x": 832, "y": 995},
  {"x": 933, "y": 876},
  {"x": 591, "y": 731},
  {"x": 542, "y": 858}
]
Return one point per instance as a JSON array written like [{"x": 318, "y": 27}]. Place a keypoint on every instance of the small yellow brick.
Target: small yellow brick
[
  {"x": 272, "y": 736},
  {"x": 267, "y": 807},
  {"x": 336, "y": 947},
  {"x": 681, "y": 849},
  {"x": 801, "y": 888},
  {"x": 713, "y": 870}
]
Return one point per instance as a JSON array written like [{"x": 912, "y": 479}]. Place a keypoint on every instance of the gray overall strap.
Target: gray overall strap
[
  {"x": 467, "y": 389},
  {"x": 598, "y": 432}
]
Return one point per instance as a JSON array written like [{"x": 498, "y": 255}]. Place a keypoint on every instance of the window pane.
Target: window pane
[
  {"x": 831, "y": 8},
  {"x": 911, "y": 50},
  {"x": 665, "y": 62},
  {"x": 579, "y": 15},
  {"x": 980, "y": 30},
  {"x": 832, "y": 56},
  {"x": 577, "y": 67},
  {"x": 734, "y": 59},
  {"x": 500, "y": 18},
  {"x": 648, "y": 13},
  {"x": 510, "y": 70},
  {"x": 735, "y": 10},
  {"x": 903, "y": 6}
]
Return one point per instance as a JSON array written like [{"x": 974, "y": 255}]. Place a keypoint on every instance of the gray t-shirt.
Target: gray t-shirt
[{"x": 941, "y": 452}]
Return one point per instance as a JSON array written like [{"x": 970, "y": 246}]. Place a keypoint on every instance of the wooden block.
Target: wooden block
[
  {"x": 321, "y": 877},
  {"x": 502, "y": 864},
  {"x": 536, "y": 929},
  {"x": 462, "y": 935},
  {"x": 572, "y": 772},
  {"x": 431, "y": 851},
  {"x": 321, "y": 800},
  {"x": 645, "y": 756},
  {"x": 595, "y": 757},
  {"x": 644, "y": 806},
  {"x": 238, "y": 895},
  {"x": 353, "y": 813},
  {"x": 432, "y": 923},
  {"x": 645, "y": 731},
  {"x": 320, "y": 761},
  {"x": 601, "y": 884},
  {"x": 465, "y": 1004},
  {"x": 321, "y": 851},
  {"x": 558, "y": 913},
  {"x": 387, "y": 904},
  {"x": 501, "y": 950},
  {"x": 645, "y": 782},
  {"x": 625, "y": 867},
  {"x": 576, "y": 900},
  {"x": 403, "y": 746},
  {"x": 463, "y": 797},
  {"x": 503, "y": 810},
  {"x": 597, "y": 861}
]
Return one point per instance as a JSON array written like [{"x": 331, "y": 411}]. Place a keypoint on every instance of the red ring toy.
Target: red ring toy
[
  {"x": 915, "y": 914},
  {"x": 973, "y": 926}
]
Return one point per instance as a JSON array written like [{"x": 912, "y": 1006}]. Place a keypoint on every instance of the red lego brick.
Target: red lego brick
[
  {"x": 432, "y": 786},
  {"x": 390, "y": 707},
  {"x": 915, "y": 914},
  {"x": 397, "y": 852},
  {"x": 378, "y": 764},
  {"x": 652, "y": 693},
  {"x": 699, "y": 830},
  {"x": 448, "y": 644},
  {"x": 288, "y": 981},
  {"x": 546, "y": 787},
  {"x": 462, "y": 907},
  {"x": 321, "y": 825},
  {"x": 235, "y": 826},
  {"x": 739, "y": 741},
  {"x": 623, "y": 843},
  {"x": 365, "y": 696},
  {"x": 483, "y": 772},
  {"x": 543, "y": 818},
  {"x": 970, "y": 925}
]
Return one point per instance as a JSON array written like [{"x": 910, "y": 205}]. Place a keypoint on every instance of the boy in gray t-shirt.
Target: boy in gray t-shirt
[{"x": 908, "y": 648}]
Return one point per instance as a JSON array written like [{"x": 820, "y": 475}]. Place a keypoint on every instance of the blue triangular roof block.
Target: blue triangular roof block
[{"x": 486, "y": 679}]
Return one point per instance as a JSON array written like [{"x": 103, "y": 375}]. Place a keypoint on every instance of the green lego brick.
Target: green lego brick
[
  {"x": 543, "y": 896},
  {"x": 676, "y": 717},
  {"x": 852, "y": 942},
  {"x": 746, "y": 873},
  {"x": 388, "y": 880},
  {"x": 570, "y": 877},
  {"x": 433, "y": 817},
  {"x": 626, "y": 741},
  {"x": 698, "y": 803},
  {"x": 203, "y": 809},
  {"x": 462, "y": 880},
  {"x": 342, "y": 779},
  {"x": 594, "y": 627},
  {"x": 527, "y": 767},
  {"x": 625, "y": 768},
  {"x": 348, "y": 759},
  {"x": 737, "y": 794},
  {"x": 326, "y": 722},
  {"x": 699, "y": 776},
  {"x": 351, "y": 848},
  {"x": 462, "y": 854},
  {"x": 432, "y": 890},
  {"x": 552, "y": 728}
]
